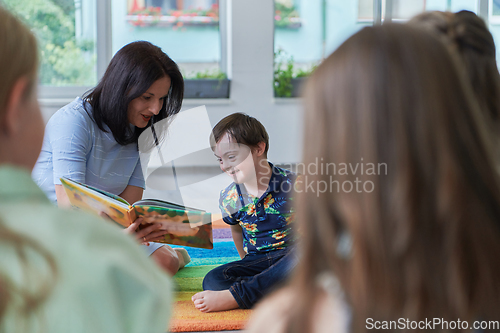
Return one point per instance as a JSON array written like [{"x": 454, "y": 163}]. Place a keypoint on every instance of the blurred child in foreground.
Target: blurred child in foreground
[
  {"x": 422, "y": 243},
  {"x": 60, "y": 271}
]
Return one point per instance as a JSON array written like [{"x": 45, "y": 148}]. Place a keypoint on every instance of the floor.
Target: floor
[{"x": 197, "y": 187}]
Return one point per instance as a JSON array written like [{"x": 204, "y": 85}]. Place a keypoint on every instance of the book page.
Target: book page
[
  {"x": 185, "y": 227},
  {"x": 162, "y": 203}
]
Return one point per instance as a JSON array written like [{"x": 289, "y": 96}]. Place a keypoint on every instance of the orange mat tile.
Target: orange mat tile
[{"x": 186, "y": 318}]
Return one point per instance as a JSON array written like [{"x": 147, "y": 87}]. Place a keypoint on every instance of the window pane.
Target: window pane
[
  {"x": 401, "y": 9},
  {"x": 306, "y": 31},
  {"x": 458, "y": 5},
  {"x": 404, "y": 9},
  {"x": 187, "y": 30},
  {"x": 451, "y": 5},
  {"x": 495, "y": 10},
  {"x": 65, "y": 30},
  {"x": 494, "y": 25},
  {"x": 365, "y": 9}
]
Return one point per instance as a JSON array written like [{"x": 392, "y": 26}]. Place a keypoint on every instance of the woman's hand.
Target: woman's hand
[
  {"x": 171, "y": 225},
  {"x": 147, "y": 234}
]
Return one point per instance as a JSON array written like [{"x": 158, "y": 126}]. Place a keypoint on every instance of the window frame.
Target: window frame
[
  {"x": 492, "y": 19},
  {"x": 49, "y": 95},
  {"x": 484, "y": 9},
  {"x": 383, "y": 6},
  {"x": 53, "y": 94}
]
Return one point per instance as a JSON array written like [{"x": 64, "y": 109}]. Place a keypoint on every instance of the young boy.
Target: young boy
[{"x": 258, "y": 206}]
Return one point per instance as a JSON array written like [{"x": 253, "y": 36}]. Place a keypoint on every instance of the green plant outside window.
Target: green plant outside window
[
  {"x": 285, "y": 72},
  {"x": 64, "y": 60}
]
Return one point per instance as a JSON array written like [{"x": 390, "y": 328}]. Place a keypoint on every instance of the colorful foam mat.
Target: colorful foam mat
[{"x": 188, "y": 281}]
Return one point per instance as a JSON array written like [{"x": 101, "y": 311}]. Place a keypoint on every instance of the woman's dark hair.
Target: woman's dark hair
[{"x": 133, "y": 69}]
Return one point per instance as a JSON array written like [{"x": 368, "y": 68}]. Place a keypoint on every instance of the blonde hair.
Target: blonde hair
[
  {"x": 18, "y": 55},
  {"x": 18, "y": 58},
  {"x": 425, "y": 238}
]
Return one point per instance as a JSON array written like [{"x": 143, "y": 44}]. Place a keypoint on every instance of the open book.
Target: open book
[{"x": 187, "y": 226}]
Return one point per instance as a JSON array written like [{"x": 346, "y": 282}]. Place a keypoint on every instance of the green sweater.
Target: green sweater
[{"x": 104, "y": 281}]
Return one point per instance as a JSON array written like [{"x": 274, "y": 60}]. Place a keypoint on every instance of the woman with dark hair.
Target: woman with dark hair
[
  {"x": 467, "y": 34},
  {"x": 94, "y": 139},
  {"x": 418, "y": 240}
]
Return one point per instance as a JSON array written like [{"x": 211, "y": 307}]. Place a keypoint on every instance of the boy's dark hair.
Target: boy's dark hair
[
  {"x": 133, "y": 69},
  {"x": 243, "y": 129}
]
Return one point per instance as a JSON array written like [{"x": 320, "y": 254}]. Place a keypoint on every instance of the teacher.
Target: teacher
[{"x": 94, "y": 139}]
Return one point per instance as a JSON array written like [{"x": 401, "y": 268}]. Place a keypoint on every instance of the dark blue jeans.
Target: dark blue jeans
[{"x": 252, "y": 277}]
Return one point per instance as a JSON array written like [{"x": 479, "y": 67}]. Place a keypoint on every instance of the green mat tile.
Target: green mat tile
[
  {"x": 211, "y": 261},
  {"x": 194, "y": 271},
  {"x": 191, "y": 278}
]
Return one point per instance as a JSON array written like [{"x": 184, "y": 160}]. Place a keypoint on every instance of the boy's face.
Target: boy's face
[{"x": 235, "y": 160}]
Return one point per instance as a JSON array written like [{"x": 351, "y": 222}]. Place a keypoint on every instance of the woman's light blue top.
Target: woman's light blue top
[{"x": 74, "y": 147}]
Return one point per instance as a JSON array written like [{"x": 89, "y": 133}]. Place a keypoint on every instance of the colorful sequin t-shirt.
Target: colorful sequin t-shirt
[{"x": 266, "y": 221}]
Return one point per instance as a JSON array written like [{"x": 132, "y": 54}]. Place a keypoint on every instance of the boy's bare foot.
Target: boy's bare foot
[{"x": 211, "y": 301}]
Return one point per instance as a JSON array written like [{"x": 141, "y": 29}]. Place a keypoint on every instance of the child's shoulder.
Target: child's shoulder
[{"x": 229, "y": 191}]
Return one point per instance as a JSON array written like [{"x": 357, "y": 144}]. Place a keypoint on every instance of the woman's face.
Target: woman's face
[{"x": 142, "y": 108}]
